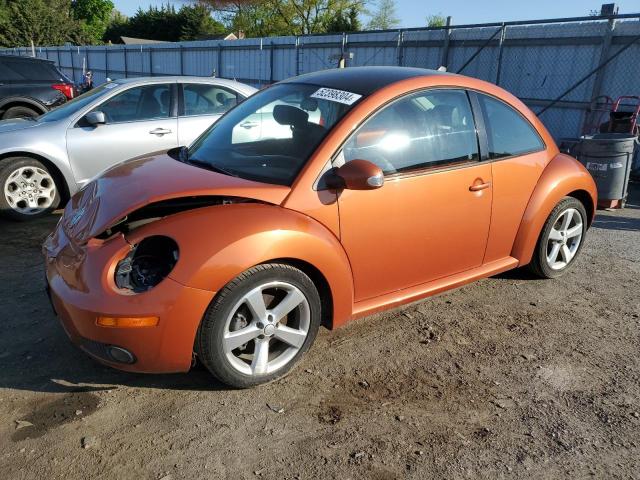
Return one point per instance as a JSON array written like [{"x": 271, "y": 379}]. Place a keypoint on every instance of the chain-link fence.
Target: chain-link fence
[{"x": 558, "y": 63}]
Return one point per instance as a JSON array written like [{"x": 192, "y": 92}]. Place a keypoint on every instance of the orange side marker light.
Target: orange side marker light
[{"x": 127, "y": 322}]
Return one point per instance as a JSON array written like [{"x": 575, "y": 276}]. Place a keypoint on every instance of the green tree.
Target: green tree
[
  {"x": 285, "y": 17},
  {"x": 345, "y": 22},
  {"x": 166, "y": 23},
  {"x": 43, "y": 22},
  {"x": 384, "y": 18},
  {"x": 95, "y": 15},
  {"x": 196, "y": 21},
  {"x": 436, "y": 21}
]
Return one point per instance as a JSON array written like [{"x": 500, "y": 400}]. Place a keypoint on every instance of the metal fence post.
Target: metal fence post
[
  {"x": 604, "y": 54},
  {"x": 445, "y": 47},
  {"x": 106, "y": 62},
  {"x": 500, "y": 50},
  {"x": 181, "y": 60},
  {"x": 297, "y": 41},
  {"x": 400, "y": 47},
  {"x": 125, "y": 61},
  {"x": 73, "y": 68},
  {"x": 271, "y": 52},
  {"x": 87, "y": 54},
  {"x": 219, "y": 66},
  {"x": 151, "y": 61}
]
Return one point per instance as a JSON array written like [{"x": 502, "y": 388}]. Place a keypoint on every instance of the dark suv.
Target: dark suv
[{"x": 31, "y": 86}]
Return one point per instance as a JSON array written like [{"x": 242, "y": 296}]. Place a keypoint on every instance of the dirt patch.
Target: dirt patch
[{"x": 507, "y": 377}]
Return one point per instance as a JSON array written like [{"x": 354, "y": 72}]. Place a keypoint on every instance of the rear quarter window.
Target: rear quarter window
[
  {"x": 508, "y": 132},
  {"x": 17, "y": 71}
]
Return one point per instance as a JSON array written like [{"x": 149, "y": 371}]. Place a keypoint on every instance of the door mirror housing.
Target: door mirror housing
[
  {"x": 356, "y": 175},
  {"x": 95, "y": 118}
]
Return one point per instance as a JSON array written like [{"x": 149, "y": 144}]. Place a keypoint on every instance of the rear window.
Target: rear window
[{"x": 21, "y": 70}]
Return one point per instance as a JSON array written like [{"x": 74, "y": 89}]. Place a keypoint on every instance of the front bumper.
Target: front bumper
[{"x": 80, "y": 289}]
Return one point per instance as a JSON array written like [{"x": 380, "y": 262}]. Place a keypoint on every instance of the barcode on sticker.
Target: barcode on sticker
[{"x": 339, "y": 96}]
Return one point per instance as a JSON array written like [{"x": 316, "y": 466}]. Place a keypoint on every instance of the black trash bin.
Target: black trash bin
[{"x": 608, "y": 157}]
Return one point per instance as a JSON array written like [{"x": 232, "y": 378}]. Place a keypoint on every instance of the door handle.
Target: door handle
[
  {"x": 160, "y": 131},
  {"x": 479, "y": 186},
  {"x": 249, "y": 125}
]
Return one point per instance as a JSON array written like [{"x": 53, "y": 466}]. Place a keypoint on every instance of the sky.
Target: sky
[{"x": 413, "y": 13}]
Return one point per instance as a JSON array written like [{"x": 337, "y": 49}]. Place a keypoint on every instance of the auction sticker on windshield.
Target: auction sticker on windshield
[{"x": 339, "y": 96}]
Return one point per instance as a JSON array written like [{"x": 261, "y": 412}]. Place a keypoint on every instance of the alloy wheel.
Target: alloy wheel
[
  {"x": 30, "y": 190},
  {"x": 564, "y": 239},
  {"x": 267, "y": 327}
]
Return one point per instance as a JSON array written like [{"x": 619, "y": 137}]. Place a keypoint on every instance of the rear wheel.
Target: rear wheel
[
  {"x": 259, "y": 325},
  {"x": 28, "y": 189},
  {"x": 561, "y": 239},
  {"x": 20, "y": 112}
]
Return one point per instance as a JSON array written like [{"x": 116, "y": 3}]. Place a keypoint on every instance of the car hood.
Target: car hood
[
  {"x": 134, "y": 184},
  {"x": 14, "y": 124}
]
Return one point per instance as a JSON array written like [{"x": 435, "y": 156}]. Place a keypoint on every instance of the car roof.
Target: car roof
[
  {"x": 24, "y": 59},
  {"x": 362, "y": 80},
  {"x": 182, "y": 78}
]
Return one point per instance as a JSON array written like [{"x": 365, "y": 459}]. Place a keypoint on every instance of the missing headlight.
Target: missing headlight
[{"x": 147, "y": 264}]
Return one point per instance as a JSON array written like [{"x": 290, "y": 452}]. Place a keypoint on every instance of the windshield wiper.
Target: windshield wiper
[{"x": 209, "y": 166}]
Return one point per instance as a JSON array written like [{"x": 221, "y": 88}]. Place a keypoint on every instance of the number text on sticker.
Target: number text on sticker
[{"x": 339, "y": 96}]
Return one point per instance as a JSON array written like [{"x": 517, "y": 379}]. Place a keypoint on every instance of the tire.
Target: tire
[
  {"x": 15, "y": 174},
  {"x": 230, "y": 313},
  {"x": 543, "y": 264},
  {"x": 20, "y": 112}
]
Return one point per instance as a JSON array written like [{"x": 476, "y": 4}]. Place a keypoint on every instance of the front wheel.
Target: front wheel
[
  {"x": 259, "y": 325},
  {"x": 561, "y": 239},
  {"x": 28, "y": 189}
]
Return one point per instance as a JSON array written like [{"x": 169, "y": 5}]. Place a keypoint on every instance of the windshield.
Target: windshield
[
  {"x": 76, "y": 104},
  {"x": 270, "y": 136}
]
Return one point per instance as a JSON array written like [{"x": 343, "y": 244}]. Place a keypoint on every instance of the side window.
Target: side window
[
  {"x": 30, "y": 70},
  {"x": 202, "y": 99},
  {"x": 428, "y": 129},
  {"x": 138, "y": 104},
  {"x": 508, "y": 132}
]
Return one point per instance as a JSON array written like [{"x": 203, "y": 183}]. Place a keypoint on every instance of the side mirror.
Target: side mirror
[
  {"x": 356, "y": 175},
  {"x": 95, "y": 118}
]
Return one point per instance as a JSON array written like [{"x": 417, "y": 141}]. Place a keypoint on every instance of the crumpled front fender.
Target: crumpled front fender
[{"x": 220, "y": 242}]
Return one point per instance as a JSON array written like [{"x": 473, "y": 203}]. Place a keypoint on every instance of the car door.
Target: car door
[
  {"x": 431, "y": 217},
  {"x": 202, "y": 105},
  {"x": 139, "y": 120},
  {"x": 518, "y": 156}
]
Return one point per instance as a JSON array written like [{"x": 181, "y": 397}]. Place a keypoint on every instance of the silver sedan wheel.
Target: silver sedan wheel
[
  {"x": 30, "y": 190},
  {"x": 266, "y": 328},
  {"x": 564, "y": 239}
]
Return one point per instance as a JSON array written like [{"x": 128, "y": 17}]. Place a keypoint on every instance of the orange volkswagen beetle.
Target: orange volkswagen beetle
[{"x": 321, "y": 199}]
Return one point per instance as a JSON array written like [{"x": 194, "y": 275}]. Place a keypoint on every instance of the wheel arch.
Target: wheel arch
[
  {"x": 11, "y": 102},
  {"x": 563, "y": 176},
  {"x": 58, "y": 176},
  {"x": 319, "y": 280},
  {"x": 587, "y": 200}
]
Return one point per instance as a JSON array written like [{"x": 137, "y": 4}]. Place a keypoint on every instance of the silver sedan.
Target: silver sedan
[{"x": 44, "y": 161}]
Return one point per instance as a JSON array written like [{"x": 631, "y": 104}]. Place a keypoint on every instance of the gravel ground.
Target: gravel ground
[{"x": 507, "y": 377}]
